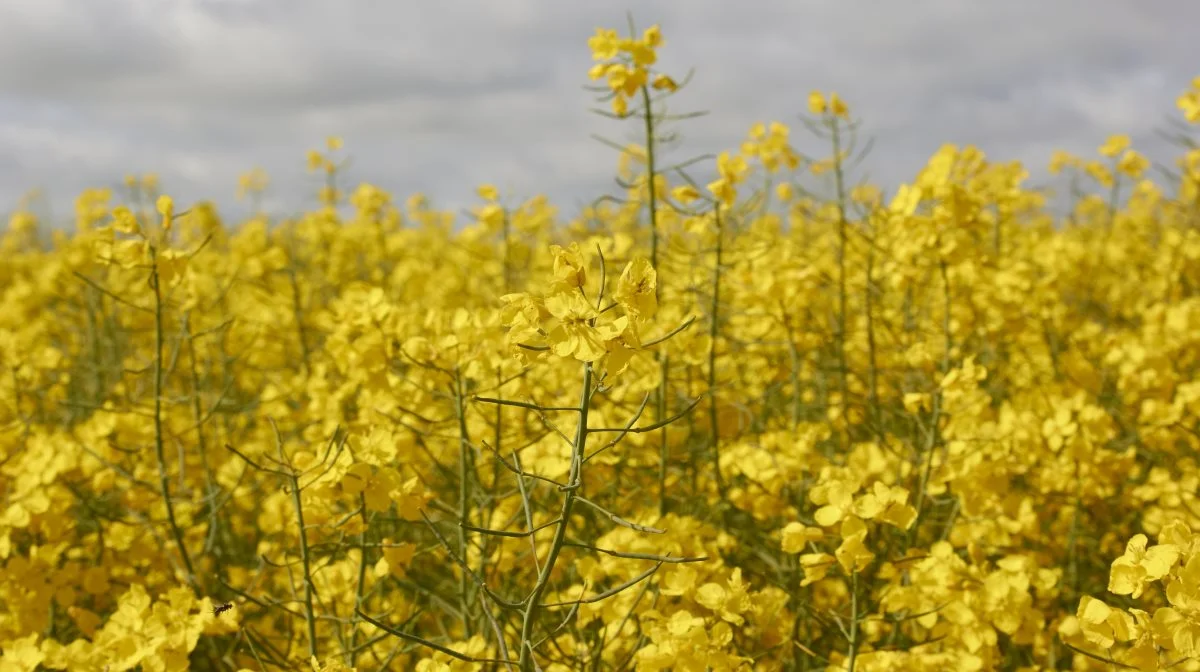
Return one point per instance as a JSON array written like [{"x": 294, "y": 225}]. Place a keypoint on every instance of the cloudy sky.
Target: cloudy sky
[{"x": 439, "y": 97}]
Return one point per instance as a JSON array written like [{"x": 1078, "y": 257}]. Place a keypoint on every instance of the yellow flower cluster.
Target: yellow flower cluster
[
  {"x": 722, "y": 427},
  {"x": 1189, "y": 103},
  {"x": 571, "y": 324},
  {"x": 624, "y": 65},
  {"x": 769, "y": 144},
  {"x": 1136, "y": 638}
]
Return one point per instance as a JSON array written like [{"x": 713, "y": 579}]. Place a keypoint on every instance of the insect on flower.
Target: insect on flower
[{"x": 221, "y": 608}]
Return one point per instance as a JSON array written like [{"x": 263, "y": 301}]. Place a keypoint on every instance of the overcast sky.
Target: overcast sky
[{"x": 439, "y": 97}]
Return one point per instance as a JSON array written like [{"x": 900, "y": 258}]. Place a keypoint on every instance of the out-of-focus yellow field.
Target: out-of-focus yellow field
[{"x": 702, "y": 426}]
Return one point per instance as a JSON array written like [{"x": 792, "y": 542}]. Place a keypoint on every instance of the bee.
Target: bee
[{"x": 222, "y": 608}]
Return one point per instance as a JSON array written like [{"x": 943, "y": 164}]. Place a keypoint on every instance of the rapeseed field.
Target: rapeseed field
[{"x": 726, "y": 424}]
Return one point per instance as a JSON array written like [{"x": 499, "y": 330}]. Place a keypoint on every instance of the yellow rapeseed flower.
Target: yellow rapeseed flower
[
  {"x": 165, "y": 206},
  {"x": 816, "y": 103},
  {"x": 1114, "y": 145}
]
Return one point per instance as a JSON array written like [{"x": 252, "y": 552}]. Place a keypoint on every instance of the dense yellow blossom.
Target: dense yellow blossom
[{"x": 712, "y": 425}]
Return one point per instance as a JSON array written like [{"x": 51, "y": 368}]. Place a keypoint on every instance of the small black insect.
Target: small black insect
[{"x": 221, "y": 608}]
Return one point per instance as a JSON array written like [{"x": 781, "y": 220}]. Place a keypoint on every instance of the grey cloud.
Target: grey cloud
[{"x": 439, "y": 97}]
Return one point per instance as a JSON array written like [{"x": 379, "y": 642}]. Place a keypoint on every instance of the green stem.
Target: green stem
[
  {"x": 651, "y": 174},
  {"x": 872, "y": 362},
  {"x": 210, "y": 485},
  {"x": 936, "y": 418},
  {"x": 713, "y": 332},
  {"x": 533, "y": 604},
  {"x": 309, "y": 614},
  {"x": 853, "y": 653},
  {"x": 464, "y": 495},
  {"x": 159, "y": 451},
  {"x": 663, "y": 451},
  {"x": 840, "y": 183},
  {"x": 362, "y": 581}
]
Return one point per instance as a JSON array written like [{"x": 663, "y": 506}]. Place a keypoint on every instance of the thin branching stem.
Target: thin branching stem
[{"x": 159, "y": 448}]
